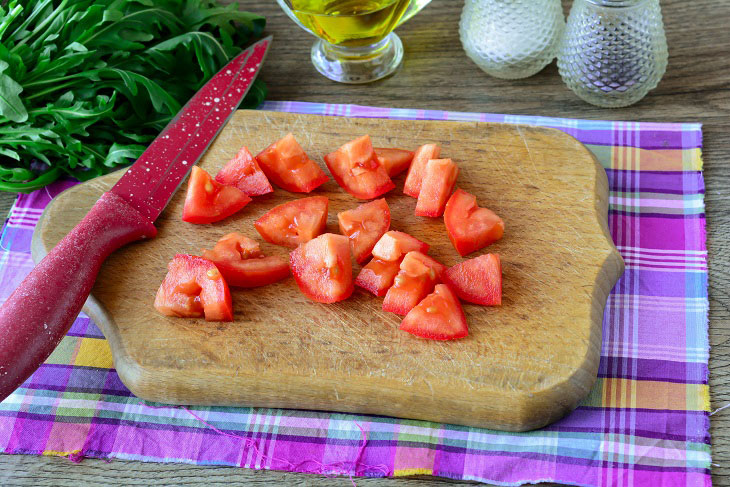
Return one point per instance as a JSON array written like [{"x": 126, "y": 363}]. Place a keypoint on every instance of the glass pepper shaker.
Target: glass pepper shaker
[
  {"x": 511, "y": 39},
  {"x": 613, "y": 51}
]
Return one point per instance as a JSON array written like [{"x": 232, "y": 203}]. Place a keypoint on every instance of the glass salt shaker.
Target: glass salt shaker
[
  {"x": 511, "y": 39},
  {"x": 613, "y": 51}
]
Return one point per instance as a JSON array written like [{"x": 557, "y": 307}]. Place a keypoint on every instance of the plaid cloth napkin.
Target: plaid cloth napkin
[{"x": 645, "y": 423}]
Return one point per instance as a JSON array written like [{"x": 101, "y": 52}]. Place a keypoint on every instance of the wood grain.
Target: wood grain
[
  {"x": 524, "y": 364},
  {"x": 437, "y": 75}
]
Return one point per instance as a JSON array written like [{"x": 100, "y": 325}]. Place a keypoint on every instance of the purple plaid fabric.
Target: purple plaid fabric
[{"x": 645, "y": 422}]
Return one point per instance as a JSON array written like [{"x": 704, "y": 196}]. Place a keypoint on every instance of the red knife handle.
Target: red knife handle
[{"x": 40, "y": 311}]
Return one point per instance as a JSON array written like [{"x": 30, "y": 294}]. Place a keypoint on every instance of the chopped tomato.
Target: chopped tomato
[
  {"x": 322, "y": 268},
  {"x": 377, "y": 276},
  {"x": 356, "y": 168},
  {"x": 193, "y": 287},
  {"x": 416, "y": 278},
  {"x": 477, "y": 280},
  {"x": 438, "y": 182},
  {"x": 294, "y": 222},
  {"x": 394, "y": 245},
  {"x": 438, "y": 317},
  {"x": 418, "y": 168},
  {"x": 395, "y": 161},
  {"x": 208, "y": 201},
  {"x": 242, "y": 263},
  {"x": 286, "y": 164},
  {"x": 364, "y": 226},
  {"x": 244, "y": 173},
  {"x": 470, "y": 227}
]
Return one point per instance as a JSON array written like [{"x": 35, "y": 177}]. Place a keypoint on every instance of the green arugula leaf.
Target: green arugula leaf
[
  {"x": 85, "y": 85},
  {"x": 10, "y": 104}
]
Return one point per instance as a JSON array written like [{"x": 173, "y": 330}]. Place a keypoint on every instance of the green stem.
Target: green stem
[{"x": 50, "y": 90}]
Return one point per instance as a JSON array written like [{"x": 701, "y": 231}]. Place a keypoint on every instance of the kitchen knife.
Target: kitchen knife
[{"x": 40, "y": 311}]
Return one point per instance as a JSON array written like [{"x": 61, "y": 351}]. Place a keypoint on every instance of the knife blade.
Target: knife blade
[{"x": 38, "y": 314}]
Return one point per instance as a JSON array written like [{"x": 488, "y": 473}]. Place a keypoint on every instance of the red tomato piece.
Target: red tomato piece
[
  {"x": 470, "y": 227},
  {"x": 416, "y": 278},
  {"x": 364, "y": 226},
  {"x": 438, "y": 182},
  {"x": 418, "y": 168},
  {"x": 377, "y": 276},
  {"x": 394, "y": 245},
  {"x": 322, "y": 268},
  {"x": 477, "y": 280},
  {"x": 438, "y": 317},
  {"x": 286, "y": 164},
  {"x": 208, "y": 201},
  {"x": 244, "y": 173},
  {"x": 242, "y": 263},
  {"x": 395, "y": 161},
  {"x": 357, "y": 170},
  {"x": 193, "y": 287},
  {"x": 294, "y": 222}
]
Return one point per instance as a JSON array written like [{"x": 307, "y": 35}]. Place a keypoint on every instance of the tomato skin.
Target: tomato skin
[
  {"x": 438, "y": 182},
  {"x": 323, "y": 269},
  {"x": 438, "y": 316},
  {"x": 416, "y": 278},
  {"x": 477, "y": 280},
  {"x": 470, "y": 227},
  {"x": 244, "y": 173},
  {"x": 286, "y": 164},
  {"x": 208, "y": 201},
  {"x": 377, "y": 276},
  {"x": 394, "y": 245},
  {"x": 364, "y": 226},
  {"x": 357, "y": 170},
  {"x": 192, "y": 288},
  {"x": 294, "y": 222},
  {"x": 418, "y": 168},
  {"x": 242, "y": 263},
  {"x": 395, "y": 161}
]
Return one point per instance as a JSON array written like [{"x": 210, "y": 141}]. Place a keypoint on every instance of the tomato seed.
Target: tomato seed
[
  {"x": 431, "y": 309},
  {"x": 213, "y": 273}
]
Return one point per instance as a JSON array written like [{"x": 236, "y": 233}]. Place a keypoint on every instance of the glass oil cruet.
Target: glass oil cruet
[
  {"x": 613, "y": 51},
  {"x": 511, "y": 38}
]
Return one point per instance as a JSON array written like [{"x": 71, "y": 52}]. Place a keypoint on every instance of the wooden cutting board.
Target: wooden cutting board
[{"x": 524, "y": 364}]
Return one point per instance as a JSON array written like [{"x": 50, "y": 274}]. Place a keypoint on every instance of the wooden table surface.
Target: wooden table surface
[{"x": 436, "y": 74}]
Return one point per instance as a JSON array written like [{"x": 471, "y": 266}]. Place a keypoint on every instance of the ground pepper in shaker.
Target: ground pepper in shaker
[
  {"x": 511, "y": 38},
  {"x": 613, "y": 51}
]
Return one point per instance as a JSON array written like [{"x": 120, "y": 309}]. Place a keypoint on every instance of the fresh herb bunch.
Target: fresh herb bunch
[{"x": 86, "y": 84}]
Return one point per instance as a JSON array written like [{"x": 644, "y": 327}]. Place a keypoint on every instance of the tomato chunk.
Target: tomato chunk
[
  {"x": 438, "y": 182},
  {"x": 357, "y": 170},
  {"x": 294, "y": 222},
  {"x": 377, "y": 276},
  {"x": 208, "y": 201},
  {"x": 322, "y": 268},
  {"x": 477, "y": 280},
  {"x": 244, "y": 173},
  {"x": 438, "y": 317},
  {"x": 193, "y": 287},
  {"x": 242, "y": 263},
  {"x": 394, "y": 245},
  {"x": 416, "y": 278},
  {"x": 395, "y": 161},
  {"x": 418, "y": 168},
  {"x": 364, "y": 226},
  {"x": 470, "y": 227},
  {"x": 286, "y": 164}
]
